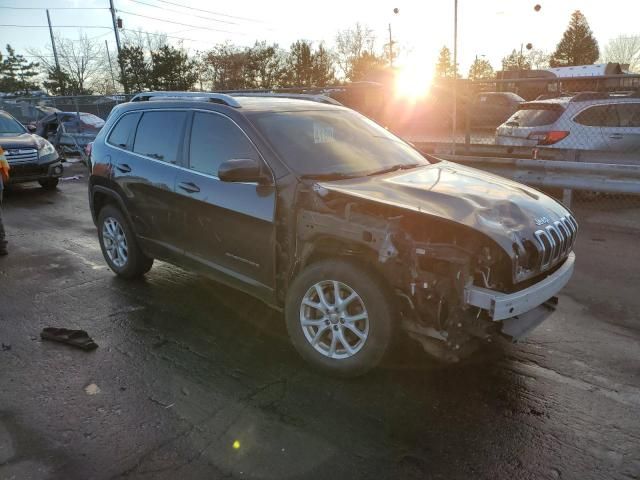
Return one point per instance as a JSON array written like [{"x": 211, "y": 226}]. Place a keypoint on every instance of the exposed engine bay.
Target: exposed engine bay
[{"x": 429, "y": 263}]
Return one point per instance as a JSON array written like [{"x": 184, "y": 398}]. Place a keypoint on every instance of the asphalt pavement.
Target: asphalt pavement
[{"x": 194, "y": 380}]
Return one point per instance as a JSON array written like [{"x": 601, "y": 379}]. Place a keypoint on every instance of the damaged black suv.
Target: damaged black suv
[{"x": 323, "y": 214}]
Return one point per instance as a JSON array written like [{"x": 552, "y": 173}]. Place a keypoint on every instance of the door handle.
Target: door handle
[
  {"x": 616, "y": 136},
  {"x": 189, "y": 187},
  {"x": 123, "y": 167}
]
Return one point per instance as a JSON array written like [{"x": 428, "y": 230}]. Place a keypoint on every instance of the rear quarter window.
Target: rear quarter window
[
  {"x": 629, "y": 114},
  {"x": 598, "y": 116},
  {"x": 122, "y": 134},
  {"x": 536, "y": 115}
]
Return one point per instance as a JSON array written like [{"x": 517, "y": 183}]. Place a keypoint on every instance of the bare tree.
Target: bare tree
[
  {"x": 83, "y": 60},
  {"x": 624, "y": 49},
  {"x": 148, "y": 42},
  {"x": 351, "y": 44},
  {"x": 538, "y": 59}
]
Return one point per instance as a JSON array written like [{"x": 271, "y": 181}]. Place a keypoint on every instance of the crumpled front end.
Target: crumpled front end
[{"x": 455, "y": 287}]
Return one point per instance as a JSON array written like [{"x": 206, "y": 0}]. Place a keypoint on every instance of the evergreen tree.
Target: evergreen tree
[
  {"x": 135, "y": 71},
  {"x": 172, "y": 69},
  {"x": 58, "y": 82},
  {"x": 300, "y": 64},
  {"x": 578, "y": 45},
  {"x": 516, "y": 61},
  {"x": 322, "y": 71},
  {"x": 480, "y": 69},
  {"x": 367, "y": 63},
  {"x": 445, "y": 67},
  {"x": 17, "y": 74}
]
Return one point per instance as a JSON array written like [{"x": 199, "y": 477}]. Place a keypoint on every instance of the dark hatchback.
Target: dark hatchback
[
  {"x": 31, "y": 157},
  {"x": 325, "y": 215}
]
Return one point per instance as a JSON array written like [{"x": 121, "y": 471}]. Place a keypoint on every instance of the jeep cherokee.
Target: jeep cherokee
[{"x": 323, "y": 214}]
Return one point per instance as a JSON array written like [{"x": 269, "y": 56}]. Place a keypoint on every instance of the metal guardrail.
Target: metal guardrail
[
  {"x": 595, "y": 177},
  {"x": 537, "y": 153}
]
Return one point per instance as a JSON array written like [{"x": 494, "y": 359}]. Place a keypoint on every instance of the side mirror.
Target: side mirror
[
  {"x": 31, "y": 128},
  {"x": 241, "y": 170}
]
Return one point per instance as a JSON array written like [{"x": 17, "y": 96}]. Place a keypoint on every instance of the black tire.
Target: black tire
[
  {"x": 49, "y": 183},
  {"x": 375, "y": 300},
  {"x": 137, "y": 263}
]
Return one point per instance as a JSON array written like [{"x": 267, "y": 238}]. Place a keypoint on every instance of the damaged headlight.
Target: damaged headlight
[{"x": 45, "y": 148}]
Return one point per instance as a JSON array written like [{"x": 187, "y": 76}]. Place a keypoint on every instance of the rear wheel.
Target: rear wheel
[
  {"x": 48, "y": 183},
  {"x": 339, "y": 317},
  {"x": 119, "y": 246}
]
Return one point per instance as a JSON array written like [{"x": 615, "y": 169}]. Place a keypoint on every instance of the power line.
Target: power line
[
  {"x": 180, "y": 23},
  {"x": 47, "y": 26},
  {"x": 53, "y": 8},
  {"x": 182, "y": 13},
  {"x": 212, "y": 12},
  {"x": 164, "y": 35}
]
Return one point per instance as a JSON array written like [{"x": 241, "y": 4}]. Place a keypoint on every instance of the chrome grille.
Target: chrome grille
[
  {"x": 555, "y": 241},
  {"x": 21, "y": 155}
]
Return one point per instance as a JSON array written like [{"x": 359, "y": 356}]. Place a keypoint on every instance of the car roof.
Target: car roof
[{"x": 241, "y": 104}]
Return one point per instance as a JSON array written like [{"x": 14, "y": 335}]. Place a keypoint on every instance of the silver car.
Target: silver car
[{"x": 586, "y": 121}]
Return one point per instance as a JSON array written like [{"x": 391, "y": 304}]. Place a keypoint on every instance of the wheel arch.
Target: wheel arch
[
  {"x": 102, "y": 196},
  {"x": 326, "y": 247}
]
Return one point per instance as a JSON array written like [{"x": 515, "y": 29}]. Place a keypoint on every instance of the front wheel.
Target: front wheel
[
  {"x": 339, "y": 317},
  {"x": 49, "y": 183},
  {"x": 119, "y": 246}
]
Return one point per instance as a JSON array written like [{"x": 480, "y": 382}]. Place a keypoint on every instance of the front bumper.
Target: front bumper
[
  {"x": 28, "y": 172},
  {"x": 501, "y": 306}
]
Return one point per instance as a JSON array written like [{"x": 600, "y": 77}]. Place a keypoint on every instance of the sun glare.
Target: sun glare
[{"x": 412, "y": 82}]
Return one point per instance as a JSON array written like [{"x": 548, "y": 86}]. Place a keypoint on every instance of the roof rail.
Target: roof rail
[
  {"x": 586, "y": 96},
  {"x": 194, "y": 96},
  {"x": 299, "y": 96}
]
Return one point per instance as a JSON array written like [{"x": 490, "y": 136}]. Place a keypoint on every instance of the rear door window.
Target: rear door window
[
  {"x": 122, "y": 134},
  {"x": 214, "y": 139},
  {"x": 159, "y": 135},
  {"x": 535, "y": 115},
  {"x": 629, "y": 114},
  {"x": 598, "y": 116}
]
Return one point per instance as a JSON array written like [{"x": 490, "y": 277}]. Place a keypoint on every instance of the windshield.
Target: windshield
[
  {"x": 335, "y": 143},
  {"x": 535, "y": 115},
  {"x": 10, "y": 126},
  {"x": 92, "y": 120}
]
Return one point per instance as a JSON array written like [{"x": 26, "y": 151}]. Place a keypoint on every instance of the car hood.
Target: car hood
[
  {"x": 23, "y": 140},
  {"x": 503, "y": 210}
]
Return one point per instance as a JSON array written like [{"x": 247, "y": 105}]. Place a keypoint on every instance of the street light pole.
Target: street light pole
[{"x": 454, "y": 114}]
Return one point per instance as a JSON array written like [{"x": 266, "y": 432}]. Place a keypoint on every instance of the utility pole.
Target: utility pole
[
  {"x": 390, "y": 47},
  {"x": 115, "y": 26},
  {"x": 53, "y": 43},
  {"x": 113, "y": 80},
  {"x": 454, "y": 113}
]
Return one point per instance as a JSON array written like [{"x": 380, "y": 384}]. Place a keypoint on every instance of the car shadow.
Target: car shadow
[{"x": 407, "y": 412}]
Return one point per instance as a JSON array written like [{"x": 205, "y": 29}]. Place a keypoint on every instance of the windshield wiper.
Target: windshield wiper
[
  {"x": 330, "y": 175},
  {"x": 393, "y": 169}
]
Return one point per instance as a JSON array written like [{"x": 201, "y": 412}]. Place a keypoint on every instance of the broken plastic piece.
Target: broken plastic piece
[{"x": 76, "y": 338}]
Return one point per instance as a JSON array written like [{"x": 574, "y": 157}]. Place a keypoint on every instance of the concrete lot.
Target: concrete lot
[{"x": 186, "y": 368}]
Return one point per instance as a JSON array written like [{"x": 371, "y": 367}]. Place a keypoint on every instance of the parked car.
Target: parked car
[
  {"x": 323, "y": 214},
  {"x": 26, "y": 112},
  {"x": 586, "y": 121},
  {"x": 70, "y": 132},
  {"x": 31, "y": 157},
  {"x": 490, "y": 109}
]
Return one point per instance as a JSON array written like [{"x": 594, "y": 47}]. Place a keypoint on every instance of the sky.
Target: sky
[{"x": 492, "y": 28}]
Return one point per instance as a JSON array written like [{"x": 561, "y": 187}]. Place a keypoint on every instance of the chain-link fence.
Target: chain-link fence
[
  {"x": 33, "y": 109},
  {"x": 586, "y": 113}
]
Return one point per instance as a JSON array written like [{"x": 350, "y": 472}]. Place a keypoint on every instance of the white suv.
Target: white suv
[{"x": 586, "y": 121}]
